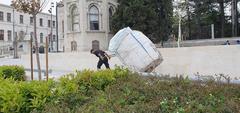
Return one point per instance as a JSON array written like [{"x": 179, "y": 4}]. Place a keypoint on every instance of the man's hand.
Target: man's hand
[{"x": 107, "y": 56}]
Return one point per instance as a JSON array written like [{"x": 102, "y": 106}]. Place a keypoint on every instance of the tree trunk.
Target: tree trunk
[
  {"x": 198, "y": 22},
  {"x": 189, "y": 20},
  {"x": 234, "y": 18},
  {"x": 36, "y": 47},
  {"x": 222, "y": 17}
]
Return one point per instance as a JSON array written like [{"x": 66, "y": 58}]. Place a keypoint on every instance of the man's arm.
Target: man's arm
[{"x": 107, "y": 55}]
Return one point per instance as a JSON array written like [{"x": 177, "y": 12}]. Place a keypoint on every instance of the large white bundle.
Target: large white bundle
[{"x": 135, "y": 50}]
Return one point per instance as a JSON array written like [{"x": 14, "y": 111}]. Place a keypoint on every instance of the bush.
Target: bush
[
  {"x": 15, "y": 72},
  {"x": 118, "y": 90}
]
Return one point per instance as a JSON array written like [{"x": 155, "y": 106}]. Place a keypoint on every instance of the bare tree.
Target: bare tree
[
  {"x": 32, "y": 7},
  {"x": 234, "y": 18},
  {"x": 222, "y": 16}
]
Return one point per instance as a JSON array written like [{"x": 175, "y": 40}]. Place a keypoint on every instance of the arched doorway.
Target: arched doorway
[
  {"x": 73, "y": 46},
  {"x": 95, "y": 45}
]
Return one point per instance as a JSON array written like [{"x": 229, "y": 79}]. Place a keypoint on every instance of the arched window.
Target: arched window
[
  {"x": 73, "y": 46},
  {"x": 110, "y": 11},
  {"x": 74, "y": 19},
  {"x": 94, "y": 18}
]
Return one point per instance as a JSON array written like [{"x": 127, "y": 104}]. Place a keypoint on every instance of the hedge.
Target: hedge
[
  {"x": 15, "y": 72},
  {"x": 118, "y": 91}
]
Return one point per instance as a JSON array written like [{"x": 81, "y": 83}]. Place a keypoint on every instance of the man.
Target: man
[
  {"x": 103, "y": 58},
  {"x": 227, "y": 42}
]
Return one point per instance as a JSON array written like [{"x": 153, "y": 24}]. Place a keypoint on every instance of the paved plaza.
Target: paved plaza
[
  {"x": 208, "y": 60},
  {"x": 60, "y": 63}
]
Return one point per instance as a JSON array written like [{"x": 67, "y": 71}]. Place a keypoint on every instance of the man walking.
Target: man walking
[{"x": 103, "y": 58}]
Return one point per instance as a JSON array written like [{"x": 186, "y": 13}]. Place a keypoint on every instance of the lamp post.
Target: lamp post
[
  {"x": 58, "y": 4},
  {"x": 14, "y": 37},
  {"x": 51, "y": 25}
]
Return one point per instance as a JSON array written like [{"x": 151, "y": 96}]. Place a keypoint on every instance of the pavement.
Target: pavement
[
  {"x": 59, "y": 63},
  {"x": 187, "y": 61}
]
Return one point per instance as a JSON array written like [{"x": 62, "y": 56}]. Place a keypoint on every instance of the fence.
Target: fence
[{"x": 6, "y": 50}]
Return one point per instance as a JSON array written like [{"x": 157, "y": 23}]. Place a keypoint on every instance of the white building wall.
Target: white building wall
[
  {"x": 26, "y": 26},
  {"x": 85, "y": 36},
  {"x": 61, "y": 29}
]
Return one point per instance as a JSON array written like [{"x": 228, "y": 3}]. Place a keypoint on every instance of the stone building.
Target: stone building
[
  {"x": 22, "y": 24},
  {"x": 86, "y": 24}
]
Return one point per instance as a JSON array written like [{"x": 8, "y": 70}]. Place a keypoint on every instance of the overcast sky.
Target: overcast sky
[{"x": 8, "y": 2}]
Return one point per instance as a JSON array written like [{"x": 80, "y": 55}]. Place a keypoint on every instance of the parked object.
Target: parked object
[
  {"x": 238, "y": 41},
  {"x": 135, "y": 50},
  {"x": 227, "y": 43}
]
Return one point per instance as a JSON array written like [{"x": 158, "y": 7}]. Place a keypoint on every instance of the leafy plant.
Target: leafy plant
[
  {"x": 15, "y": 72},
  {"x": 118, "y": 90}
]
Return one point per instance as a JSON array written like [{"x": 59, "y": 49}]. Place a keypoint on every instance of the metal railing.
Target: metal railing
[{"x": 6, "y": 51}]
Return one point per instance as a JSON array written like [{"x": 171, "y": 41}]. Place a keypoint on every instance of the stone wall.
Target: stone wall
[
  {"x": 203, "y": 42},
  {"x": 208, "y": 60}
]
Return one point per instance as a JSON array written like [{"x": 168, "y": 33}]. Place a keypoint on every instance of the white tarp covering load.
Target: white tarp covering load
[{"x": 135, "y": 50}]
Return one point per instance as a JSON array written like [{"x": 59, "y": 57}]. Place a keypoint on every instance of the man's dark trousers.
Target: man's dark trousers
[{"x": 101, "y": 62}]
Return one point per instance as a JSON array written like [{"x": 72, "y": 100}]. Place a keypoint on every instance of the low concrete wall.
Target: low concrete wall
[
  {"x": 207, "y": 60},
  {"x": 202, "y": 42}
]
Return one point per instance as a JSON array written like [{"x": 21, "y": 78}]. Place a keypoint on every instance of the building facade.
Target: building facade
[
  {"x": 20, "y": 25},
  {"x": 86, "y": 24}
]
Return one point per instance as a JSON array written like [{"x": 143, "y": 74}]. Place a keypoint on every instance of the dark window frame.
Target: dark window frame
[
  {"x": 1, "y": 16},
  {"x": 21, "y": 19},
  {"x": 9, "y": 33},
  {"x": 1, "y": 35},
  {"x": 41, "y": 22},
  {"x": 94, "y": 25},
  {"x": 9, "y": 17}
]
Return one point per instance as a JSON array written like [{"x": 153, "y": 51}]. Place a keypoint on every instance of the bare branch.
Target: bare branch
[{"x": 43, "y": 5}]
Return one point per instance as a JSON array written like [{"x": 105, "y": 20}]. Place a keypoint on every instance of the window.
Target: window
[
  {"x": 63, "y": 26},
  {"x": 54, "y": 38},
  {"x": 9, "y": 17},
  {"x": 9, "y": 35},
  {"x": 41, "y": 22},
  {"x": 74, "y": 46},
  {"x": 21, "y": 19},
  {"x": 31, "y": 20},
  {"x": 74, "y": 19},
  {"x": 49, "y": 23},
  {"x": 2, "y": 35},
  {"x": 111, "y": 10},
  {"x": 41, "y": 37},
  {"x": 1, "y": 16},
  {"x": 94, "y": 18},
  {"x": 54, "y": 25},
  {"x": 21, "y": 35}
]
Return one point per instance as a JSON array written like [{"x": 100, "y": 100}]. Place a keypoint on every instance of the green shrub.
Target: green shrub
[
  {"x": 15, "y": 72},
  {"x": 24, "y": 97},
  {"x": 118, "y": 90},
  {"x": 11, "y": 99},
  {"x": 36, "y": 94}
]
